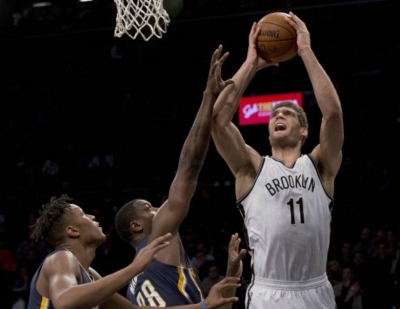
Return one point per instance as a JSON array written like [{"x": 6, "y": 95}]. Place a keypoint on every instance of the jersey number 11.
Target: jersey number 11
[{"x": 292, "y": 205}]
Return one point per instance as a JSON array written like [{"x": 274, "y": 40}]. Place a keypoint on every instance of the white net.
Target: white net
[{"x": 147, "y": 18}]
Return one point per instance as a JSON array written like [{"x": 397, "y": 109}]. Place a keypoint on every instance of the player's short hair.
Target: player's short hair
[
  {"x": 50, "y": 224},
  {"x": 125, "y": 215},
  {"x": 301, "y": 115}
]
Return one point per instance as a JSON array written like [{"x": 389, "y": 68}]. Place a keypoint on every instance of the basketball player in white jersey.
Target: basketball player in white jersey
[{"x": 286, "y": 198}]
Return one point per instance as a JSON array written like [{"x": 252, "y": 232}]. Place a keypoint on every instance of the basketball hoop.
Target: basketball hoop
[{"x": 145, "y": 17}]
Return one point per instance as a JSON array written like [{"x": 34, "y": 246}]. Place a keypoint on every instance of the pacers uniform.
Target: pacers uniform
[
  {"x": 287, "y": 214},
  {"x": 37, "y": 301},
  {"x": 162, "y": 285}
]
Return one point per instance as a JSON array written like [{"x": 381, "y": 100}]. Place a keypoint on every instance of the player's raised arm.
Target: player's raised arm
[
  {"x": 328, "y": 152},
  {"x": 241, "y": 159},
  {"x": 171, "y": 214}
]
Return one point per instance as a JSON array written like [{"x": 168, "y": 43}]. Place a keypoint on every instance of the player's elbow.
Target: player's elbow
[
  {"x": 334, "y": 118},
  {"x": 336, "y": 110},
  {"x": 62, "y": 304},
  {"x": 333, "y": 107}
]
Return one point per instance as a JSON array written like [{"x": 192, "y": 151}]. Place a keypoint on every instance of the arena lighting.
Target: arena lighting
[
  {"x": 85, "y": 0},
  {"x": 40, "y": 4}
]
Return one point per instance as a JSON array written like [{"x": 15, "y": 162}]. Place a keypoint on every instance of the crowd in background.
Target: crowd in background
[
  {"x": 364, "y": 259},
  {"x": 100, "y": 119}
]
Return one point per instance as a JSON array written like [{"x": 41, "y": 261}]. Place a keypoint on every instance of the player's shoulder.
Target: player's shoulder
[
  {"x": 60, "y": 259},
  {"x": 56, "y": 255}
]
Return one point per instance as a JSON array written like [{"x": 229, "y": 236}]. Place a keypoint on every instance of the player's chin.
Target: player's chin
[
  {"x": 102, "y": 235},
  {"x": 98, "y": 240},
  {"x": 278, "y": 138}
]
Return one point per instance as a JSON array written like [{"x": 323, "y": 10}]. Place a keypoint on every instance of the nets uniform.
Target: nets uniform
[
  {"x": 37, "y": 301},
  {"x": 164, "y": 285},
  {"x": 287, "y": 214}
]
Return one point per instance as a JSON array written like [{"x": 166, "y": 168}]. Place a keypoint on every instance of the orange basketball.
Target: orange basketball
[{"x": 277, "y": 38}]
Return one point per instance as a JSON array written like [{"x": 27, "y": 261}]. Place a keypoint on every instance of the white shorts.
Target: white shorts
[{"x": 316, "y": 293}]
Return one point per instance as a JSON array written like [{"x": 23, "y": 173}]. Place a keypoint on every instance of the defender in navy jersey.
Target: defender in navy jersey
[
  {"x": 171, "y": 280},
  {"x": 38, "y": 301},
  {"x": 286, "y": 198}
]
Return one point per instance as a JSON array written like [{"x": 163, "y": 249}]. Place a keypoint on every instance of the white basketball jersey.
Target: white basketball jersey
[{"x": 287, "y": 214}]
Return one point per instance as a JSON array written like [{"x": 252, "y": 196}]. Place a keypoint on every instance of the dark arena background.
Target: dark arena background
[{"x": 104, "y": 118}]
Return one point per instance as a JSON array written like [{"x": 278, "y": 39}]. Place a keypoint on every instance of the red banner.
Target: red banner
[{"x": 257, "y": 109}]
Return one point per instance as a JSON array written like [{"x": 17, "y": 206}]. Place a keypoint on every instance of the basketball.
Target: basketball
[{"x": 277, "y": 38}]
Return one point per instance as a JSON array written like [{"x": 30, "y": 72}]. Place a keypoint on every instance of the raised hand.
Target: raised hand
[
  {"x": 235, "y": 264},
  {"x": 252, "y": 54},
  {"x": 303, "y": 36},
  {"x": 148, "y": 253},
  {"x": 215, "y": 298},
  {"x": 215, "y": 83}
]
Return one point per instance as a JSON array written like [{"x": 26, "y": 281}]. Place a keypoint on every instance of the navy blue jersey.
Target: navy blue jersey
[
  {"x": 162, "y": 285},
  {"x": 37, "y": 301}
]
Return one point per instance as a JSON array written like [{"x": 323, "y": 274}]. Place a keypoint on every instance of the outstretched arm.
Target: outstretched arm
[
  {"x": 62, "y": 272},
  {"x": 214, "y": 300},
  {"x": 241, "y": 158},
  {"x": 328, "y": 153},
  {"x": 193, "y": 154},
  {"x": 218, "y": 296}
]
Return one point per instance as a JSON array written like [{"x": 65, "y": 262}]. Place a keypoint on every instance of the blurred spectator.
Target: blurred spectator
[
  {"x": 19, "y": 287},
  {"x": 7, "y": 265},
  {"x": 391, "y": 243},
  {"x": 378, "y": 288},
  {"x": 360, "y": 268},
  {"x": 346, "y": 289},
  {"x": 190, "y": 243},
  {"x": 379, "y": 238},
  {"x": 364, "y": 243},
  {"x": 24, "y": 248},
  {"x": 213, "y": 276},
  {"x": 50, "y": 168},
  {"x": 345, "y": 259},
  {"x": 334, "y": 273},
  {"x": 6, "y": 260},
  {"x": 353, "y": 299},
  {"x": 201, "y": 260}
]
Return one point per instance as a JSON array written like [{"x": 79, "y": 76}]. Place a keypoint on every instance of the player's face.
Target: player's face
[
  {"x": 88, "y": 228},
  {"x": 146, "y": 214},
  {"x": 284, "y": 127}
]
